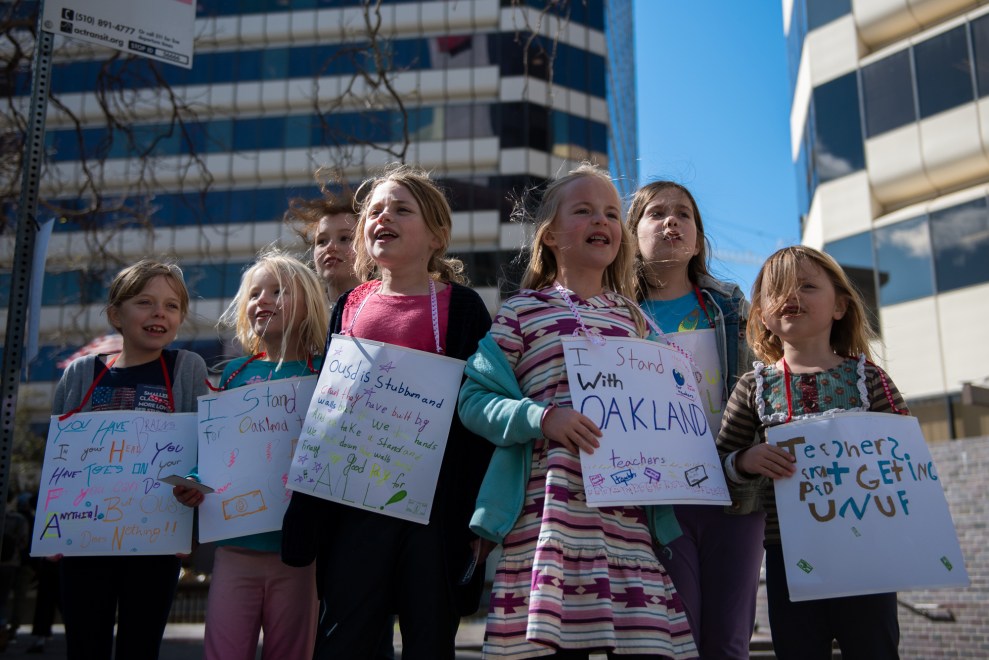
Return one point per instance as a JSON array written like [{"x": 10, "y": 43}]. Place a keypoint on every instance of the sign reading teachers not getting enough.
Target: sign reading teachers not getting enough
[
  {"x": 377, "y": 427},
  {"x": 865, "y": 512}
]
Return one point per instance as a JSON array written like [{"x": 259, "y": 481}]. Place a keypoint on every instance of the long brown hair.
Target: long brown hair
[
  {"x": 698, "y": 264},
  {"x": 850, "y": 335}
]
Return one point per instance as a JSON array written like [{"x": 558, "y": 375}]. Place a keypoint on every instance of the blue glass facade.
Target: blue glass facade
[
  {"x": 229, "y": 205},
  {"x": 934, "y": 75}
]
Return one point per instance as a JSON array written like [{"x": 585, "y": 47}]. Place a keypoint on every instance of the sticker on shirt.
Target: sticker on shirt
[{"x": 141, "y": 397}]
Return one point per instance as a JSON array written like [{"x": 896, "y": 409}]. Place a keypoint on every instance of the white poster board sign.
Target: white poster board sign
[
  {"x": 656, "y": 447},
  {"x": 865, "y": 512},
  {"x": 100, "y": 493},
  {"x": 247, "y": 436},
  {"x": 159, "y": 29},
  {"x": 377, "y": 428}
]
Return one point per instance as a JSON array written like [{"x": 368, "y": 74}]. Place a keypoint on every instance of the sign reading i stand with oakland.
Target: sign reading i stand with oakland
[{"x": 159, "y": 29}]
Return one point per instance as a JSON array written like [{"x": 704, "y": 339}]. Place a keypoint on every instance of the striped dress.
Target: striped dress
[{"x": 571, "y": 576}]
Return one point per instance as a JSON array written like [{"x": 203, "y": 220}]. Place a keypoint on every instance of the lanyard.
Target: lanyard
[
  {"x": 700, "y": 301},
  {"x": 99, "y": 377},
  {"x": 257, "y": 356},
  {"x": 882, "y": 379},
  {"x": 593, "y": 334},
  {"x": 789, "y": 394},
  {"x": 672, "y": 344},
  {"x": 433, "y": 306}
]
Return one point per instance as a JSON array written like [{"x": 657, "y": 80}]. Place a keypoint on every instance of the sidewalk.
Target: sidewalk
[{"x": 184, "y": 641}]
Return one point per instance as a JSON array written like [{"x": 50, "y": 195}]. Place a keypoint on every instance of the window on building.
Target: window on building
[
  {"x": 822, "y": 12},
  {"x": 854, "y": 253},
  {"x": 887, "y": 94},
  {"x": 980, "y": 44},
  {"x": 838, "y": 148},
  {"x": 795, "y": 41},
  {"x": 903, "y": 261},
  {"x": 944, "y": 72},
  {"x": 960, "y": 238}
]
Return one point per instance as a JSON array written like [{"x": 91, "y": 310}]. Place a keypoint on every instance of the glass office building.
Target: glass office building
[
  {"x": 890, "y": 142},
  {"x": 491, "y": 96}
]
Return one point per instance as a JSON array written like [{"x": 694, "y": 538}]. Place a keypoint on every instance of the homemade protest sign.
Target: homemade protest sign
[
  {"x": 377, "y": 427},
  {"x": 656, "y": 447},
  {"x": 703, "y": 348},
  {"x": 865, "y": 512},
  {"x": 247, "y": 437},
  {"x": 100, "y": 493}
]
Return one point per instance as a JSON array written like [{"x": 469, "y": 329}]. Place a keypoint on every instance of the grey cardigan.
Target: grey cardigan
[{"x": 189, "y": 382}]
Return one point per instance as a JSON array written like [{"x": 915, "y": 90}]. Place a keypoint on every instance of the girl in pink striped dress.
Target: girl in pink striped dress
[{"x": 572, "y": 579}]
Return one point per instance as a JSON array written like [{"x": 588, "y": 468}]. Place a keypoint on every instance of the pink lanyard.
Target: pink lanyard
[
  {"x": 99, "y": 377},
  {"x": 593, "y": 334},
  {"x": 433, "y": 305}
]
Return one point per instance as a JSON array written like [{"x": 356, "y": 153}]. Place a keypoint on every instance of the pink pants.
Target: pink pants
[{"x": 252, "y": 591}]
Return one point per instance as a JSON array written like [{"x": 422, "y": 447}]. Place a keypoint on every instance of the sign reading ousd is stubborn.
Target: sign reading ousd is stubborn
[
  {"x": 247, "y": 436},
  {"x": 100, "y": 493},
  {"x": 656, "y": 447},
  {"x": 377, "y": 427},
  {"x": 865, "y": 512}
]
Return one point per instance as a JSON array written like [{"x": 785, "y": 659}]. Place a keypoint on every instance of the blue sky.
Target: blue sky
[{"x": 714, "y": 115}]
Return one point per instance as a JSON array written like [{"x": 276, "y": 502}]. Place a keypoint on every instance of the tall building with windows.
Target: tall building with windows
[
  {"x": 890, "y": 140},
  {"x": 491, "y": 96}
]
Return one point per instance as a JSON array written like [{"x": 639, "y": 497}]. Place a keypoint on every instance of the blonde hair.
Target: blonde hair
[
  {"x": 435, "y": 212},
  {"x": 850, "y": 335},
  {"x": 698, "y": 264},
  {"x": 542, "y": 269},
  {"x": 131, "y": 281},
  {"x": 308, "y": 331}
]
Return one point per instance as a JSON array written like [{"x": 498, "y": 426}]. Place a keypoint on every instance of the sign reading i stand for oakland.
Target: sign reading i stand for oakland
[{"x": 159, "y": 29}]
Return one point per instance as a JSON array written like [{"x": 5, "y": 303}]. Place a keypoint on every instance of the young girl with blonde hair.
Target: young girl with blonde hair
[
  {"x": 372, "y": 565},
  {"x": 279, "y": 317},
  {"x": 572, "y": 579},
  {"x": 808, "y": 326}
]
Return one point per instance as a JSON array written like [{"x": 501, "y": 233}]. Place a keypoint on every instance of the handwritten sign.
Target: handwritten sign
[
  {"x": 100, "y": 493},
  {"x": 865, "y": 513},
  {"x": 656, "y": 446},
  {"x": 703, "y": 347},
  {"x": 247, "y": 436},
  {"x": 377, "y": 428}
]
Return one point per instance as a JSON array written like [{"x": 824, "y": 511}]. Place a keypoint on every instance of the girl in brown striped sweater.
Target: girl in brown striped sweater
[{"x": 808, "y": 325}]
